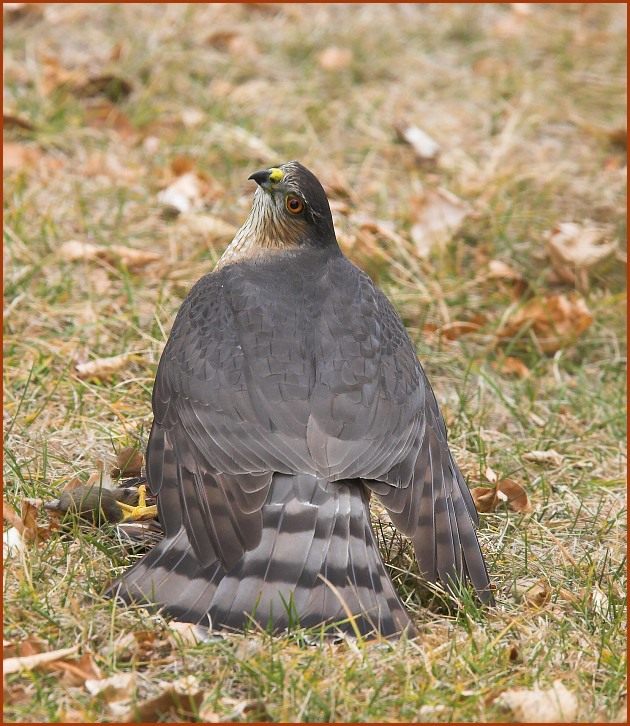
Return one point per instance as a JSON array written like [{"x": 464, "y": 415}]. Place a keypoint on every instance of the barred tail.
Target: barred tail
[{"x": 317, "y": 562}]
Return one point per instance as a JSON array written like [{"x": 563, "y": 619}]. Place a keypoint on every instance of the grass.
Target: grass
[{"x": 523, "y": 106}]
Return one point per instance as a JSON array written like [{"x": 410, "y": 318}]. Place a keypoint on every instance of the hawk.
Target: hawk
[{"x": 289, "y": 392}]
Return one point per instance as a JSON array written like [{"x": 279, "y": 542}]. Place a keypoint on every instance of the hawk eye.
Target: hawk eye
[{"x": 294, "y": 204}]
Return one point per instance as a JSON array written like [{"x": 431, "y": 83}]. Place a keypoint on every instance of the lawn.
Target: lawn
[{"x": 129, "y": 134}]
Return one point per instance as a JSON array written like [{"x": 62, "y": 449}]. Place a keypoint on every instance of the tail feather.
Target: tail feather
[
  {"x": 170, "y": 578},
  {"x": 437, "y": 512},
  {"x": 316, "y": 560}
]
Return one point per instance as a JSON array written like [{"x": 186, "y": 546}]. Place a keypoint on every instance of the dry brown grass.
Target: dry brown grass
[{"x": 527, "y": 109}]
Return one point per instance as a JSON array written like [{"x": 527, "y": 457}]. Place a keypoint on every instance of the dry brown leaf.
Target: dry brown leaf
[
  {"x": 485, "y": 499},
  {"x": 54, "y": 76},
  {"x": 179, "y": 700},
  {"x": 12, "y": 12},
  {"x": 438, "y": 215},
  {"x": 499, "y": 270},
  {"x": 183, "y": 195},
  {"x": 424, "y": 147},
  {"x": 575, "y": 248},
  {"x": 457, "y": 328},
  {"x": 12, "y": 121},
  {"x": 233, "y": 42},
  {"x": 109, "y": 85},
  {"x": 105, "y": 115},
  {"x": 37, "y": 660},
  {"x": 507, "y": 277},
  {"x": 334, "y": 58},
  {"x": 556, "y": 321},
  {"x": 18, "y": 156},
  {"x": 513, "y": 494},
  {"x": 75, "y": 250},
  {"x": 514, "y": 367},
  {"x": 118, "y": 687},
  {"x": 534, "y": 593},
  {"x": 76, "y": 673},
  {"x": 505, "y": 491},
  {"x": 128, "y": 462},
  {"x": 550, "y": 456},
  {"x": 185, "y": 633},
  {"x": 553, "y": 705},
  {"x": 11, "y": 516},
  {"x": 103, "y": 368},
  {"x": 130, "y": 257}
]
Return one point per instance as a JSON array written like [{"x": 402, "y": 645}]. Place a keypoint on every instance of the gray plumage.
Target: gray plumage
[{"x": 288, "y": 390}]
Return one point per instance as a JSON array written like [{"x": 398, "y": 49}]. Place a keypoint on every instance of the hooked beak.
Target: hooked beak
[{"x": 267, "y": 178}]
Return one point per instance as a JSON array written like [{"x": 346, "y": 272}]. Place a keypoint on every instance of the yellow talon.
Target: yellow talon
[{"x": 140, "y": 511}]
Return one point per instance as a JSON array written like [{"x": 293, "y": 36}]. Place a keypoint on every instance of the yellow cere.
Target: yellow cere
[{"x": 276, "y": 175}]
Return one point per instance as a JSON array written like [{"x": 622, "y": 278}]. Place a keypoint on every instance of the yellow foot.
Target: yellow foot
[{"x": 140, "y": 511}]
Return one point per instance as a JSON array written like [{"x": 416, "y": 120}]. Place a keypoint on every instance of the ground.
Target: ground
[{"x": 108, "y": 105}]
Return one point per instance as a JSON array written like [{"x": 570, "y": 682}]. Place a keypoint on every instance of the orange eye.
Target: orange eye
[{"x": 294, "y": 204}]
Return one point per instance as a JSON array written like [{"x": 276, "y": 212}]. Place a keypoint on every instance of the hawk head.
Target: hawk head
[
  {"x": 290, "y": 211},
  {"x": 290, "y": 208}
]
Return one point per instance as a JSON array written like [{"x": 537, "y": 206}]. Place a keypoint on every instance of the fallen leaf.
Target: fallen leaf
[
  {"x": 11, "y": 516},
  {"x": 16, "y": 11},
  {"x": 54, "y": 76},
  {"x": 186, "y": 633},
  {"x": 14, "y": 122},
  {"x": 250, "y": 709},
  {"x": 505, "y": 491},
  {"x": 600, "y": 603},
  {"x": 535, "y": 593},
  {"x": 234, "y": 43},
  {"x": 438, "y": 215},
  {"x": 334, "y": 58},
  {"x": 75, "y": 250},
  {"x": 220, "y": 39},
  {"x": 183, "y": 195},
  {"x": 507, "y": 276},
  {"x": 118, "y": 687},
  {"x": 456, "y": 328},
  {"x": 109, "y": 85},
  {"x": 179, "y": 700},
  {"x": 76, "y": 673},
  {"x": 576, "y": 248},
  {"x": 556, "y": 321},
  {"x": 554, "y": 705},
  {"x": 499, "y": 270},
  {"x": 128, "y": 462},
  {"x": 549, "y": 456},
  {"x": 105, "y": 115},
  {"x": 30, "y": 662},
  {"x": 485, "y": 499},
  {"x": 513, "y": 495},
  {"x": 491, "y": 475},
  {"x": 103, "y": 368},
  {"x": 511, "y": 366},
  {"x": 129, "y": 257},
  {"x": 425, "y": 148}
]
